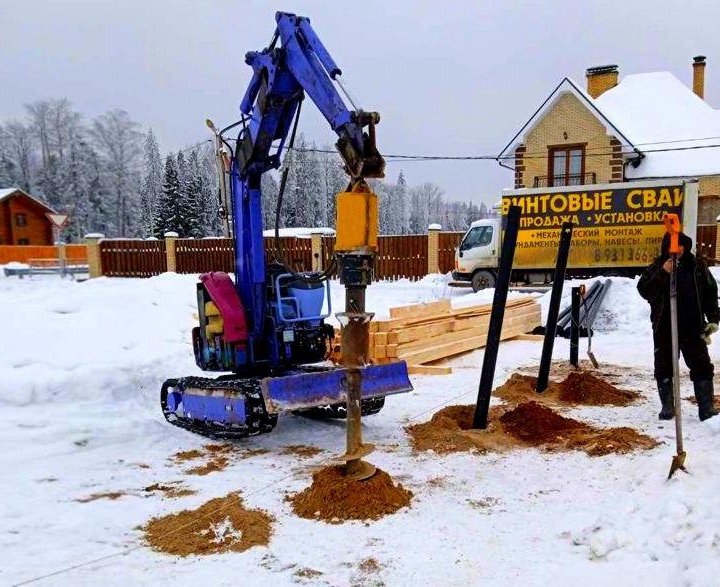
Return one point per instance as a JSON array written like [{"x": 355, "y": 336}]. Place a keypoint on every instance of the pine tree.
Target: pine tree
[
  {"x": 152, "y": 182},
  {"x": 193, "y": 221},
  {"x": 168, "y": 213},
  {"x": 401, "y": 209}
]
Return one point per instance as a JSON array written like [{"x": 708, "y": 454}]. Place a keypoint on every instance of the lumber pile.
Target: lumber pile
[{"x": 422, "y": 333}]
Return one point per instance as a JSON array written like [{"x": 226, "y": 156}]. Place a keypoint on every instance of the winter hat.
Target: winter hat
[{"x": 685, "y": 241}]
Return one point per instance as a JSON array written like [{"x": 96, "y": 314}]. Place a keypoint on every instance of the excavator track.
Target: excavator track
[{"x": 257, "y": 419}]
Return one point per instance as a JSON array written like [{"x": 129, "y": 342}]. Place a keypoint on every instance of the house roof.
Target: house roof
[
  {"x": 677, "y": 131},
  {"x": 7, "y": 192},
  {"x": 567, "y": 85},
  {"x": 655, "y": 116}
]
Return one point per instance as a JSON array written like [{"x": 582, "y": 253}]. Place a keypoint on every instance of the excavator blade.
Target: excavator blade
[{"x": 309, "y": 390}]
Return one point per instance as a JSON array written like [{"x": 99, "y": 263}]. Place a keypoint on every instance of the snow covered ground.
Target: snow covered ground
[{"x": 80, "y": 369}]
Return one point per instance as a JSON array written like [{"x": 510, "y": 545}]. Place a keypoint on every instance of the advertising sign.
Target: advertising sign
[{"x": 614, "y": 226}]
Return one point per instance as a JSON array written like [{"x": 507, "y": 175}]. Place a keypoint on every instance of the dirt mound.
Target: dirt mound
[
  {"x": 534, "y": 424},
  {"x": 221, "y": 525},
  {"x": 450, "y": 430},
  {"x": 582, "y": 387},
  {"x": 529, "y": 424},
  {"x": 598, "y": 443},
  {"x": 578, "y": 388},
  {"x": 334, "y": 498}
]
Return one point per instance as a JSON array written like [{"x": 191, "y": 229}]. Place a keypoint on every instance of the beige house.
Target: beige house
[{"x": 642, "y": 126}]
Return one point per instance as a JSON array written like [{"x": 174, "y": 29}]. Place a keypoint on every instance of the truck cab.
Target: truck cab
[{"x": 477, "y": 255}]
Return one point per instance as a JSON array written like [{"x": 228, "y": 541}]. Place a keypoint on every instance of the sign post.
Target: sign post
[{"x": 59, "y": 221}]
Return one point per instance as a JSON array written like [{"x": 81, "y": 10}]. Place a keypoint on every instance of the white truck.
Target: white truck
[{"x": 618, "y": 228}]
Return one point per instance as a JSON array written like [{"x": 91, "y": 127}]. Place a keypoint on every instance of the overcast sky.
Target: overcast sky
[{"x": 449, "y": 78}]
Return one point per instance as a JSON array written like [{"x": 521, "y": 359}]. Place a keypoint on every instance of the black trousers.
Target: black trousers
[{"x": 693, "y": 349}]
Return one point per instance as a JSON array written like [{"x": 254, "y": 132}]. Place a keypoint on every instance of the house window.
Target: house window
[
  {"x": 566, "y": 165},
  {"x": 23, "y": 241},
  {"x": 20, "y": 220}
]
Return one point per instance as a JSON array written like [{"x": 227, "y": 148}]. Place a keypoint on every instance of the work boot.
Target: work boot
[
  {"x": 705, "y": 396},
  {"x": 665, "y": 390}
]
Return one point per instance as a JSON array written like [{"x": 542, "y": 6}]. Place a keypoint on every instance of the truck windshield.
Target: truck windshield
[{"x": 479, "y": 236}]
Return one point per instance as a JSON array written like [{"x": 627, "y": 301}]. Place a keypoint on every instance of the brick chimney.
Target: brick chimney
[
  {"x": 699, "y": 75},
  {"x": 601, "y": 78}
]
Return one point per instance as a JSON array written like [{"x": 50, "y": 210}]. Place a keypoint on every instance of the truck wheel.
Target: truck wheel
[{"x": 482, "y": 280}]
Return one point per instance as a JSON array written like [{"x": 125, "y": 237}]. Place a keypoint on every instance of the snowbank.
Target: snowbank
[{"x": 623, "y": 309}]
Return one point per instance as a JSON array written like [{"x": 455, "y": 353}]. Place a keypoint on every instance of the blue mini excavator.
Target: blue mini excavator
[{"x": 267, "y": 329}]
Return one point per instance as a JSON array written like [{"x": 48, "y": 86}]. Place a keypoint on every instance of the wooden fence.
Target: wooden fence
[
  {"x": 447, "y": 243},
  {"x": 402, "y": 256},
  {"x": 24, "y": 253},
  {"x": 296, "y": 252},
  {"x": 398, "y": 257},
  {"x": 133, "y": 258},
  {"x": 203, "y": 255}
]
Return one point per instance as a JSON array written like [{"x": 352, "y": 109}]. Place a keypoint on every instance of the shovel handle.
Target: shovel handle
[{"x": 673, "y": 228}]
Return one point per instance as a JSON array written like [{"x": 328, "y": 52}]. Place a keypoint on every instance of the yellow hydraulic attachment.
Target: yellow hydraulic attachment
[{"x": 357, "y": 219}]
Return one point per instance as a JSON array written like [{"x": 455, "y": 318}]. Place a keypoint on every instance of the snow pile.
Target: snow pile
[
  {"x": 623, "y": 309},
  {"x": 655, "y": 521},
  {"x": 92, "y": 340}
]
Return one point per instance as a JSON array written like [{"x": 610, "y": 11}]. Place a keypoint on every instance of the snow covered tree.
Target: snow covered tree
[
  {"x": 167, "y": 216},
  {"x": 269, "y": 188},
  {"x": 118, "y": 142},
  {"x": 400, "y": 206},
  {"x": 193, "y": 220},
  {"x": 152, "y": 181},
  {"x": 20, "y": 147}
]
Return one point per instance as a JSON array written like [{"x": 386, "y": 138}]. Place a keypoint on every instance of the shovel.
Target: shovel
[
  {"x": 590, "y": 353},
  {"x": 672, "y": 225}
]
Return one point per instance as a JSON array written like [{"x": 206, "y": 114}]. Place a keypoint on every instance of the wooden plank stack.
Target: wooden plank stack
[{"x": 423, "y": 333}]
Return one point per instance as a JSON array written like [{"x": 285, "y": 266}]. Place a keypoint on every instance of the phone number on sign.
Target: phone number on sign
[{"x": 624, "y": 254}]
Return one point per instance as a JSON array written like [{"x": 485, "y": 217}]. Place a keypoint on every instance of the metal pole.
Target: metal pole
[
  {"x": 574, "y": 326},
  {"x": 497, "y": 315},
  {"x": 553, "y": 311}
]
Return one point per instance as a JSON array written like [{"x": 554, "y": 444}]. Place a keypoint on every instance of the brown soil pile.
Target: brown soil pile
[
  {"x": 534, "y": 424},
  {"x": 582, "y": 387},
  {"x": 187, "y": 455},
  {"x": 301, "y": 450},
  {"x": 527, "y": 425},
  {"x": 173, "y": 489},
  {"x": 449, "y": 430},
  {"x": 578, "y": 388},
  {"x": 334, "y": 498},
  {"x": 221, "y": 525},
  {"x": 214, "y": 464}
]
